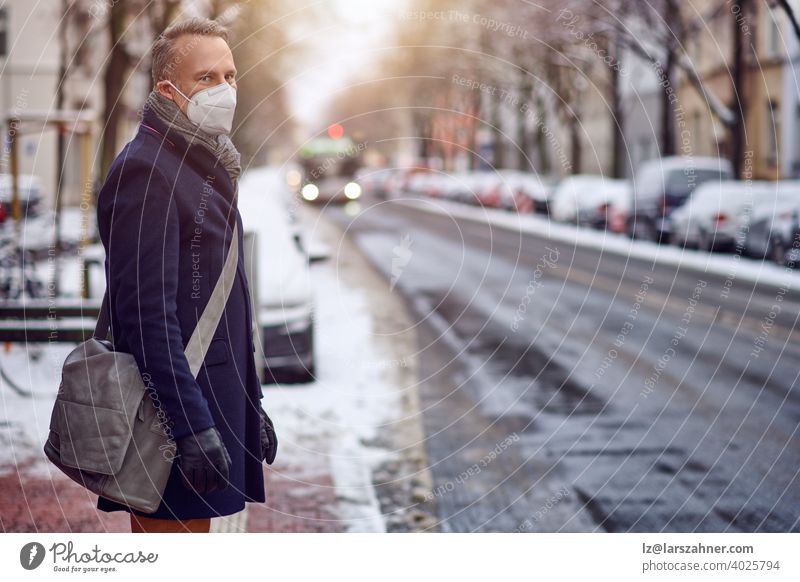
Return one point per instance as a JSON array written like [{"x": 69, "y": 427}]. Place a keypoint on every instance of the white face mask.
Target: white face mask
[{"x": 212, "y": 109}]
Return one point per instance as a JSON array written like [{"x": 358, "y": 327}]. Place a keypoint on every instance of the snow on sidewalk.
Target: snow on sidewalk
[{"x": 326, "y": 428}]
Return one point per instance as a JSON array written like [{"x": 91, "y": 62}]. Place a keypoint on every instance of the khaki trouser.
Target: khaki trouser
[{"x": 154, "y": 525}]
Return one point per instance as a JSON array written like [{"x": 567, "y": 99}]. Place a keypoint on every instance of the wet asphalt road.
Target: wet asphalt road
[{"x": 566, "y": 389}]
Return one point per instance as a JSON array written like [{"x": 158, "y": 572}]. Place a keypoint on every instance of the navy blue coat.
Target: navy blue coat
[{"x": 165, "y": 216}]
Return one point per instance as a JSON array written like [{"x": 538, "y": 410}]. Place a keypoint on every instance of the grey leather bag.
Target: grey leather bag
[{"x": 106, "y": 433}]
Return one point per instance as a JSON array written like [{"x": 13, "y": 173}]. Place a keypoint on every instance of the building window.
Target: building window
[
  {"x": 773, "y": 34},
  {"x": 773, "y": 133},
  {"x": 795, "y": 169},
  {"x": 697, "y": 128},
  {"x": 3, "y": 32}
]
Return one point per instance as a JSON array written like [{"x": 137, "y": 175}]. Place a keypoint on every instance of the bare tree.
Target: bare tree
[
  {"x": 263, "y": 56},
  {"x": 161, "y": 14},
  {"x": 669, "y": 30},
  {"x": 115, "y": 76}
]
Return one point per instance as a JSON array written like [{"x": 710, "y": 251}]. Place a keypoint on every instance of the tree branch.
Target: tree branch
[{"x": 787, "y": 8}]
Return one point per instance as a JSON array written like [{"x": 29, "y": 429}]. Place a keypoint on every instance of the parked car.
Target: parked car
[
  {"x": 612, "y": 214},
  {"x": 484, "y": 188},
  {"x": 773, "y": 226},
  {"x": 375, "y": 181},
  {"x": 662, "y": 185},
  {"x": 769, "y": 231},
  {"x": 396, "y": 183},
  {"x": 519, "y": 191},
  {"x": 285, "y": 294},
  {"x": 500, "y": 192},
  {"x": 422, "y": 183},
  {"x": 786, "y": 251},
  {"x": 541, "y": 190},
  {"x": 579, "y": 198},
  {"x": 466, "y": 187},
  {"x": 684, "y": 228},
  {"x": 365, "y": 177},
  {"x": 718, "y": 212},
  {"x": 456, "y": 187}
]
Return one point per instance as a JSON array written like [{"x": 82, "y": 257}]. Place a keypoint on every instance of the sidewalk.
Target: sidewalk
[
  {"x": 31, "y": 503},
  {"x": 351, "y": 456}
]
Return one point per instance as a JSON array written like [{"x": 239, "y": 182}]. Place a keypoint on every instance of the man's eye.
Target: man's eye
[
  {"x": 230, "y": 77},
  {"x": 205, "y": 78}
]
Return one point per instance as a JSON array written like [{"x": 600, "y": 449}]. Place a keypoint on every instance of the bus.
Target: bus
[{"x": 328, "y": 168}]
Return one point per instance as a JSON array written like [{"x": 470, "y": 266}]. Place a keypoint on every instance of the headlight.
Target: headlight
[
  {"x": 293, "y": 178},
  {"x": 352, "y": 190},
  {"x": 310, "y": 192}
]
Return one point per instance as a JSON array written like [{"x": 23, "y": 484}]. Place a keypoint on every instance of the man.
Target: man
[{"x": 166, "y": 215}]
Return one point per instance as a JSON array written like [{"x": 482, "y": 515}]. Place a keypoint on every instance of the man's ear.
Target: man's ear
[{"x": 165, "y": 89}]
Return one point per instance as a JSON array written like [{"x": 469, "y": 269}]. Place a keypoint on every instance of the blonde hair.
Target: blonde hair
[{"x": 164, "y": 57}]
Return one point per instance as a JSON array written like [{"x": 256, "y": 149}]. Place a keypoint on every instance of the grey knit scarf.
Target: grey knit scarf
[{"x": 220, "y": 146}]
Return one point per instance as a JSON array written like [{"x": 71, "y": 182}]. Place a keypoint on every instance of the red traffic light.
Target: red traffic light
[{"x": 335, "y": 131}]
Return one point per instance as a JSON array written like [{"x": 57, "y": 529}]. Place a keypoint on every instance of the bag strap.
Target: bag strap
[
  {"x": 209, "y": 320},
  {"x": 103, "y": 322},
  {"x": 195, "y": 351}
]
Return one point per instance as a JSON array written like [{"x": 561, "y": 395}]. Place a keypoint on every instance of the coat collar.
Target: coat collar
[{"x": 196, "y": 155}]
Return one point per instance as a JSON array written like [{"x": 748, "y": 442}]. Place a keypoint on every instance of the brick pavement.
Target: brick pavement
[{"x": 31, "y": 501}]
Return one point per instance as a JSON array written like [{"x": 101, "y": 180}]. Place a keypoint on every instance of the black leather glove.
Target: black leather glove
[
  {"x": 203, "y": 461},
  {"x": 269, "y": 442}
]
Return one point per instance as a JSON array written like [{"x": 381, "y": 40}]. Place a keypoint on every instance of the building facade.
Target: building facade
[
  {"x": 711, "y": 50},
  {"x": 34, "y": 49}
]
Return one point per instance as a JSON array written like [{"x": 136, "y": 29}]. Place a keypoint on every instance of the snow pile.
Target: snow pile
[{"x": 607, "y": 242}]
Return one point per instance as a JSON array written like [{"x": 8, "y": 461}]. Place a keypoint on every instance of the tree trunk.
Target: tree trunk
[
  {"x": 115, "y": 75},
  {"x": 543, "y": 166},
  {"x": 617, "y": 118},
  {"x": 61, "y": 154},
  {"x": 498, "y": 158},
  {"x": 738, "y": 137},
  {"x": 575, "y": 144},
  {"x": 523, "y": 135},
  {"x": 667, "y": 114},
  {"x": 422, "y": 129},
  {"x": 671, "y": 14},
  {"x": 473, "y": 133}
]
